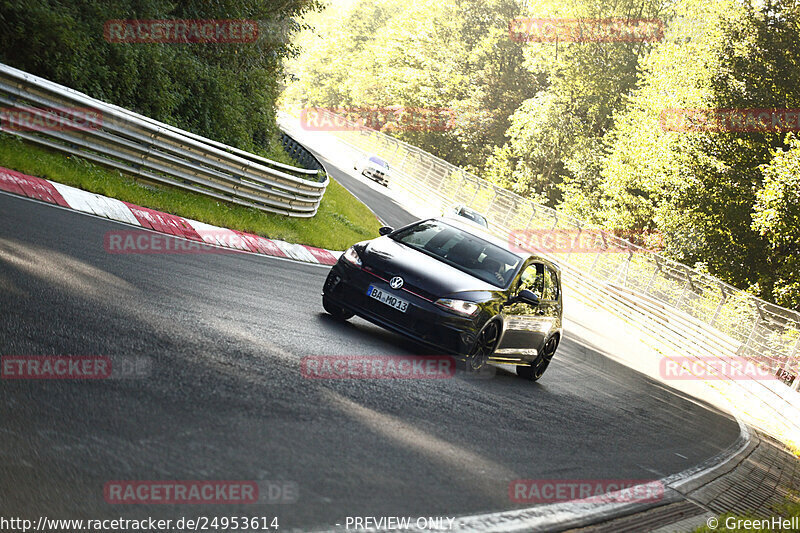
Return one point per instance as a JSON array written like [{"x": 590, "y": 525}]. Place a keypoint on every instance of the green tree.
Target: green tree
[
  {"x": 702, "y": 188},
  {"x": 777, "y": 219},
  {"x": 645, "y": 169},
  {"x": 556, "y": 138},
  {"x": 454, "y": 55},
  {"x": 756, "y": 67},
  {"x": 224, "y": 91}
]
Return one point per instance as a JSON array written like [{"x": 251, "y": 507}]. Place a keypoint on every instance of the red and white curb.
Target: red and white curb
[{"x": 112, "y": 209}]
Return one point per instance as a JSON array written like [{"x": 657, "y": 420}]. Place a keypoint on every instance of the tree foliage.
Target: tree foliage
[
  {"x": 450, "y": 54},
  {"x": 583, "y": 125},
  {"x": 776, "y": 217},
  {"x": 223, "y": 91},
  {"x": 704, "y": 189}
]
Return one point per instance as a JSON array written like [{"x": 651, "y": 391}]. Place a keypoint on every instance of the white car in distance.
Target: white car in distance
[{"x": 374, "y": 168}]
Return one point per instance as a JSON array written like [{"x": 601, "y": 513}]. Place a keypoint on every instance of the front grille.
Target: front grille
[
  {"x": 418, "y": 291},
  {"x": 404, "y": 320},
  {"x": 331, "y": 282},
  {"x": 416, "y": 320},
  {"x": 408, "y": 285}
]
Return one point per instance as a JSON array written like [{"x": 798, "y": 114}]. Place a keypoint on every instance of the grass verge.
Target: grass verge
[{"x": 340, "y": 221}]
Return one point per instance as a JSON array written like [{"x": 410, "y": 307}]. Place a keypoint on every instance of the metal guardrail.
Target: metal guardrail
[
  {"x": 741, "y": 323},
  {"x": 156, "y": 152},
  {"x": 693, "y": 345},
  {"x": 299, "y": 152}
]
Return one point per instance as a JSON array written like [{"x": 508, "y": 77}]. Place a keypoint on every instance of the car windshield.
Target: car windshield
[
  {"x": 378, "y": 161},
  {"x": 464, "y": 251}
]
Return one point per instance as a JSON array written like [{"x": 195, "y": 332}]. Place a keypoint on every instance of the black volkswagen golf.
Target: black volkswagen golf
[{"x": 455, "y": 288}]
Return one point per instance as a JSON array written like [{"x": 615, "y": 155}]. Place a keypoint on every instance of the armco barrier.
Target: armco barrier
[
  {"x": 732, "y": 320},
  {"x": 60, "y": 118},
  {"x": 677, "y": 336}
]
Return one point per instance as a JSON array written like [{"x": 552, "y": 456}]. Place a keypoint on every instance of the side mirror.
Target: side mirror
[
  {"x": 528, "y": 297},
  {"x": 385, "y": 230}
]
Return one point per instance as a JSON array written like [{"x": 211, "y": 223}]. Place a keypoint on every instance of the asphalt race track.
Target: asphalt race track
[
  {"x": 389, "y": 211},
  {"x": 224, "y": 398}
]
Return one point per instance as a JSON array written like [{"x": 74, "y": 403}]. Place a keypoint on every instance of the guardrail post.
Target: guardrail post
[
  {"x": 594, "y": 263},
  {"x": 572, "y": 242},
  {"x": 491, "y": 202},
  {"x": 530, "y": 219},
  {"x": 685, "y": 287},
  {"x": 408, "y": 160},
  {"x": 533, "y": 214},
  {"x": 511, "y": 207},
  {"x": 430, "y": 170},
  {"x": 683, "y": 291},
  {"x": 753, "y": 330},
  {"x": 402, "y": 163},
  {"x": 444, "y": 180},
  {"x": 720, "y": 304},
  {"x": 793, "y": 363},
  {"x": 460, "y": 184},
  {"x": 625, "y": 269},
  {"x": 477, "y": 190},
  {"x": 655, "y": 272}
]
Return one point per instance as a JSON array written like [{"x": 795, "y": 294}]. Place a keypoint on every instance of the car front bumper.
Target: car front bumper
[
  {"x": 376, "y": 175},
  {"x": 425, "y": 322}
]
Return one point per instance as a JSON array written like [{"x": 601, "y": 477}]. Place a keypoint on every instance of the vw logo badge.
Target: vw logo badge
[{"x": 396, "y": 282}]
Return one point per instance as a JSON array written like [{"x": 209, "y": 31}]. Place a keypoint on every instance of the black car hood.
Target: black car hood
[{"x": 388, "y": 258}]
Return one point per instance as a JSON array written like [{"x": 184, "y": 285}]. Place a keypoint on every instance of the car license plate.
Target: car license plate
[{"x": 387, "y": 298}]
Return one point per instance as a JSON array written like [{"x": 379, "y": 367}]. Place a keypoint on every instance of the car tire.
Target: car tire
[
  {"x": 337, "y": 311},
  {"x": 484, "y": 346},
  {"x": 539, "y": 365}
]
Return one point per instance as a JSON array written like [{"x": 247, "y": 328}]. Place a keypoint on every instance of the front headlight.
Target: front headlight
[
  {"x": 351, "y": 256},
  {"x": 459, "y": 306}
]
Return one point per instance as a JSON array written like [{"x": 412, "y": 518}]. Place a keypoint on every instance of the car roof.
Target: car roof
[
  {"x": 465, "y": 207},
  {"x": 461, "y": 217},
  {"x": 470, "y": 210},
  {"x": 481, "y": 232}
]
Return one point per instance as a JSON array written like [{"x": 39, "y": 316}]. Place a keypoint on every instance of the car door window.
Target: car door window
[
  {"x": 550, "y": 285},
  {"x": 533, "y": 279}
]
